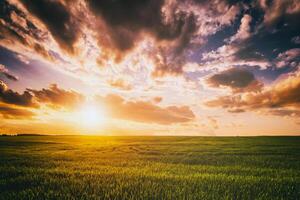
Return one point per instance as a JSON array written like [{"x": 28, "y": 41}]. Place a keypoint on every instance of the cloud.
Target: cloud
[
  {"x": 117, "y": 107},
  {"x": 125, "y": 19},
  {"x": 130, "y": 45},
  {"x": 157, "y": 99},
  {"x": 145, "y": 112},
  {"x": 13, "y": 104},
  {"x": 10, "y": 97},
  {"x": 173, "y": 28},
  {"x": 208, "y": 17},
  {"x": 19, "y": 33},
  {"x": 167, "y": 63},
  {"x": 120, "y": 84},
  {"x": 238, "y": 79},
  {"x": 296, "y": 40},
  {"x": 284, "y": 95},
  {"x": 57, "y": 19},
  {"x": 57, "y": 98},
  {"x": 272, "y": 25},
  {"x": 290, "y": 54},
  {"x": 169, "y": 30},
  {"x": 244, "y": 31},
  {"x": 238, "y": 50},
  {"x": 4, "y": 71},
  {"x": 7, "y": 112},
  {"x": 285, "y": 112},
  {"x": 290, "y": 57},
  {"x": 126, "y": 24},
  {"x": 236, "y": 110},
  {"x": 278, "y": 10}
]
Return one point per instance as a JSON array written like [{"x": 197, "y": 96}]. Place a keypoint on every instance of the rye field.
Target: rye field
[{"x": 92, "y": 167}]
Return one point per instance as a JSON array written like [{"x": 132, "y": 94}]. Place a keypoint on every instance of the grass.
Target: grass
[{"x": 88, "y": 167}]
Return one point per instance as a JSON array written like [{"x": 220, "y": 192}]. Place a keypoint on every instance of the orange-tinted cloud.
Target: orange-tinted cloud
[
  {"x": 120, "y": 84},
  {"x": 56, "y": 97},
  {"x": 8, "y": 96},
  {"x": 146, "y": 112},
  {"x": 157, "y": 99},
  {"x": 285, "y": 112},
  {"x": 282, "y": 96},
  {"x": 53, "y": 96},
  {"x": 14, "y": 105},
  {"x": 8, "y": 112}
]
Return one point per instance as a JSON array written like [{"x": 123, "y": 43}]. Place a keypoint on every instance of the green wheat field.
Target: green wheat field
[{"x": 92, "y": 167}]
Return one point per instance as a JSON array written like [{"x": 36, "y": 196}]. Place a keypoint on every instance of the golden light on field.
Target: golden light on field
[{"x": 164, "y": 67}]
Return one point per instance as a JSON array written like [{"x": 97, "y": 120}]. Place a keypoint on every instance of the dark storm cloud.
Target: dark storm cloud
[
  {"x": 58, "y": 20},
  {"x": 10, "y": 97},
  {"x": 16, "y": 28},
  {"x": 173, "y": 57},
  {"x": 10, "y": 28},
  {"x": 278, "y": 11},
  {"x": 238, "y": 79},
  {"x": 12, "y": 15},
  {"x": 56, "y": 97},
  {"x": 126, "y": 18}
]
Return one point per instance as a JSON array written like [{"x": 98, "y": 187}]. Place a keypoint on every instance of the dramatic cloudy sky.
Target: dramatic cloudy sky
[{"x": 171, "y": 67}]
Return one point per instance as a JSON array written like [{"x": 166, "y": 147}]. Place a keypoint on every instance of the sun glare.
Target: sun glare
[{"x": 91, "y": 116}]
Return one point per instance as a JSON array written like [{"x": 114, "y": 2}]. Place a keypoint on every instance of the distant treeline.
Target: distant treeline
[{"x": 22, "y": 134}]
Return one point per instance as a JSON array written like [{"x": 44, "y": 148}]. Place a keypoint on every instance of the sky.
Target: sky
[{"x": 150, "y": 67}]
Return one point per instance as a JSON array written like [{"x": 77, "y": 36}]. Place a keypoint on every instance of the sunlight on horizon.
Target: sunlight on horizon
[{"x": 91, "y": 117}]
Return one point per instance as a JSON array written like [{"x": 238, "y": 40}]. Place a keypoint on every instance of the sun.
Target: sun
[{"x": 91, "y": 116}]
